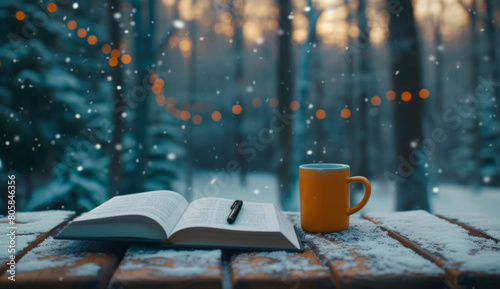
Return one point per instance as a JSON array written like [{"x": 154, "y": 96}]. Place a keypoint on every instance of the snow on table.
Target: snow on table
[
  {"x": 467, "y": 259},
  {"x": 146, "y": 266},
  {"x": 30, "y": 226},
  {"x": 487, "y": 225},
  {"x": 378, "y": 250},
  {"x": 364, "y": 253},
  {"x": 269, "y": 269},
  {"x": 67, "y": 262}
]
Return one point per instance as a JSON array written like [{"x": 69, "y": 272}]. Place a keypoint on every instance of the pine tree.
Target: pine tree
[
  {"x": 52, "y": 119},
  {"x": 405, "y": 61}
]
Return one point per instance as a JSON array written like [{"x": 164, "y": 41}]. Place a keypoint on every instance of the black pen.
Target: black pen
[{"x": 235, "y": 209}]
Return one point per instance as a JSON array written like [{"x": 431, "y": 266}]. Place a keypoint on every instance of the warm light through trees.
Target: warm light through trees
[{"x": 260, "y": 20}]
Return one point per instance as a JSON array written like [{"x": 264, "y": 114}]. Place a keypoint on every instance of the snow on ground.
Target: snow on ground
[
  {"x": 444, "y": 199},
  {"x": 263, "y": 187},
  {"x": 459, "y": 199},
  {"x": 260, "y": 186}
]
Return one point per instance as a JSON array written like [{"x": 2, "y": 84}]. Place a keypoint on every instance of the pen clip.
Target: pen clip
[{"x": 234, "y": 204}]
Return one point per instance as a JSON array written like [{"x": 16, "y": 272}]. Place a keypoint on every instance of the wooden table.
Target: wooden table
[{"x": 391, "y": 250}]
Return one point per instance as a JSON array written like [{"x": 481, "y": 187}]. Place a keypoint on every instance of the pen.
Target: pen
[{"x": 235, "y": 209}]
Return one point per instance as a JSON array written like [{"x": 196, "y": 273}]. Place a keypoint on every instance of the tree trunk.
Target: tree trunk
[
  {"x": 405, "y": 58},
  {"x": 350, "y": 98},
  {"x": 303, "y": 89},
  {"x": 192, "y": 98},
  {"x": 237, "y": 11},
  {"x": 350, "y": 101},
  {"x": 469, "y": 170},
  {"x": 434, "y": 106},
  {"x": 490, "y": 156},
  {"x": 489, "y": 26},
  {"x": 285, "y": 95},
  {"x": 366, "y": 87},
  {"x": 474, "y": 126},
  {"x": 144, "y": 52},
  {"x": 349, "y": 126},
  {"x": 320, "y": 95},
  {"x": 118, "y": 105},
  {"x": 438, "y": 82}
]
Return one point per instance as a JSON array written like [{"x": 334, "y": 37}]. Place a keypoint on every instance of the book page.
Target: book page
[
  {"x": 287, "y": 228},
  {"x": 213, "y": 213},
  {"x": 166, "y": 207}
]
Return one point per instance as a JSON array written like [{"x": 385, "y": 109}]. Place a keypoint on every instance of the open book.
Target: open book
[{"x": 166, "y": 216}]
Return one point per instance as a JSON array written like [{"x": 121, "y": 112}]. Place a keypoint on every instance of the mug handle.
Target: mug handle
[{"x": 368, "y": 190}]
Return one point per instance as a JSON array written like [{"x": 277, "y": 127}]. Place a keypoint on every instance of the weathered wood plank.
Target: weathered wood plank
[
  {"x": 157, "y": 267},
  {"x": 364, "y": 256},
  {"x": 478, "y": 225},
  {"x": 66, "y": 264},
  {"x": 30, "y": 228},
  {"x": 279, "y": 269},
  {"x": 468, "y": 260}
]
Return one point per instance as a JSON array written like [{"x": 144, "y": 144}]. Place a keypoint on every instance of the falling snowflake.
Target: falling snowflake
[{"x": 179, "y": 24}]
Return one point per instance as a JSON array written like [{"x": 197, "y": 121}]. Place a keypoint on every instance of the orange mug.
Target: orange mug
[{"x": 324, "y": 197}]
